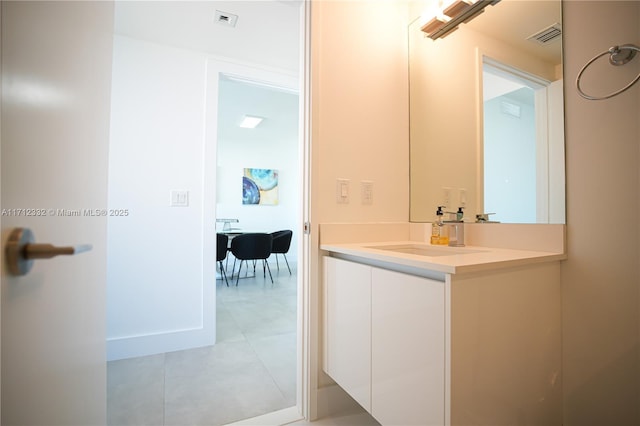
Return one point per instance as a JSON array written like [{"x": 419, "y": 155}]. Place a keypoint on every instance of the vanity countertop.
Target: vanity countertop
[{"x": 449, "y": 260}]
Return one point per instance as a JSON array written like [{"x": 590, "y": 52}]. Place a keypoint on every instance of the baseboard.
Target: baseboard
[{"x": 145, "y": 345}]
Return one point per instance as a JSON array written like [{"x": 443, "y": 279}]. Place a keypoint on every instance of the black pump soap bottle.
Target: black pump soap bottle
[{"x": 439, "y": 234}]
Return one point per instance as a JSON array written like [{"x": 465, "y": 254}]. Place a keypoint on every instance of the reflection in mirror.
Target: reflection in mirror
[{"x": 486, "y": 115}]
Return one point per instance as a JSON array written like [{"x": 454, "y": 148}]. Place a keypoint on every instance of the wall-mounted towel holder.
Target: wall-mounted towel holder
[{"x": 618, "y": 55}]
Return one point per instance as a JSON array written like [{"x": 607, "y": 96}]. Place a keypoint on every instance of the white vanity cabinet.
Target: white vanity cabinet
[
  {"x": 348, "y": 327},
  {"x": 385, "y": 341},
  {"x": 407, "y": 349},
  {"x": 466, "y": 348}
]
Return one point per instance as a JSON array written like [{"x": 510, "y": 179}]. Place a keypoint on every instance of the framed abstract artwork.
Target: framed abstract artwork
[{"x": 260, "y": 186}]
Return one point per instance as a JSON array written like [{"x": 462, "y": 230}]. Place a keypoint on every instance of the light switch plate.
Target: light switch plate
[
  {"x": 179, "y": 198},
  {"x": 342, "y": 191}
]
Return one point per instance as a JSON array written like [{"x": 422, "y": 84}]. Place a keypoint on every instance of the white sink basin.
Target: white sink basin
[{"x": 426, "y": 249}]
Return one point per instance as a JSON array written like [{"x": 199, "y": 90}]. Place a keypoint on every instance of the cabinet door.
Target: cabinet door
[
  {"x": 348, "y": 327},
  {"x": 408, "y": 363}
]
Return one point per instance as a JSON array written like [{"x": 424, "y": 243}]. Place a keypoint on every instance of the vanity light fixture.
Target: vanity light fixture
[
  {"x": 250, "y": 121},
  {"x": 452, "y": 13}
]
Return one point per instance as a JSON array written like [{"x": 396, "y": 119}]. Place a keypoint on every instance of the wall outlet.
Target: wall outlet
[
  {"x": 342, "y": 191},
  {"x": 366, "y": 192},
  {"x": 446, "y": 196}
]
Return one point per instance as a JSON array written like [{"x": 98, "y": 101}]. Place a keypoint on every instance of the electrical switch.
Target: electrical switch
[
  {"x": 179, "y": 199},
  {"x": 342, "y": 191}
]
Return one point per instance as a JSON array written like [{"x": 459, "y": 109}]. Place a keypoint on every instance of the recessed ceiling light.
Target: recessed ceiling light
[{"x": 250, "y": 121}]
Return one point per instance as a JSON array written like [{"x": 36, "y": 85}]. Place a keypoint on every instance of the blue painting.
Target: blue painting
[{"x": 260, "y": 186}]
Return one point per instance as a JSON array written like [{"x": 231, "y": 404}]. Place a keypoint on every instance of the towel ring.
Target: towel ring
[{"x": 618, "y": 55}]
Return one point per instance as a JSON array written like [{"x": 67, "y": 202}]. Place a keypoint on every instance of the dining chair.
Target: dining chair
[
  {"x": 281, "y": 244},
  {"x": 252, "y": 246},
  {"x": 222, "y": 243}
]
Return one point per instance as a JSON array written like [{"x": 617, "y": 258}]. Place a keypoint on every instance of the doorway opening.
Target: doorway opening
[
  {"x": 168, "y": 97},
  {"x": 515, "y": 144},
  {"x": 257, "y": 191}
]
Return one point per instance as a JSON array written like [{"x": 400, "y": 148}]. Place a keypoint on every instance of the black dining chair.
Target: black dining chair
[
  {"x": 222, "y": 244},
  {"x": 281, "y": 244},
  {"x": 253, "y": 246}
]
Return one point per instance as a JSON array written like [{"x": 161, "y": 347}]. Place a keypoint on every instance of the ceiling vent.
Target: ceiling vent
[
  {"x": 226, "y": 19},
  {"x": 547, "y": 35}
]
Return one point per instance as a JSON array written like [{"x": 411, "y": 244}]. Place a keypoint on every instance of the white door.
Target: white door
[{"x": 56, "y": 68}]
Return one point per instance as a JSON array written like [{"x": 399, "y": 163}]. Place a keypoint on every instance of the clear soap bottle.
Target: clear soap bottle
[{"x": 439, "y": 235}]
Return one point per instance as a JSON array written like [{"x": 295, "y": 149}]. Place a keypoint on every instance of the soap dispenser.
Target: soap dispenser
[{"x": 439, "y": 234}]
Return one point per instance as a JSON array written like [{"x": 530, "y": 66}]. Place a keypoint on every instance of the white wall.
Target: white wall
[
  {"x": 601, "y": 278},
  {"x": 161, "y": 278},
  {"x": 359, "y": 109},
  {"x": 161, "y": 260},
  {"x": 359, "y": 128},
  {"x": 509, "y": 173}
]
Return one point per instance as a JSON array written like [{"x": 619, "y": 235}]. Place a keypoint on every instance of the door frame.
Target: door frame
[
  {"x": 539, "y": 86},
  {"x": 307, "y": 321}
]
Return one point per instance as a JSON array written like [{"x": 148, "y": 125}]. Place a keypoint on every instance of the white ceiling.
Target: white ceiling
[
  {"x": 267, "y": 32},
  {"x": 513, "y": 21},
  {"x": 278, "y": 108}
]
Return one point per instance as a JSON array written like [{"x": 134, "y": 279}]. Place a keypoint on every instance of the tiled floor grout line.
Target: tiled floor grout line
[
  {"x": 232, "y": 306},
  {"x": 275, "y": 382},
  {"x": 252, "y": 345}
]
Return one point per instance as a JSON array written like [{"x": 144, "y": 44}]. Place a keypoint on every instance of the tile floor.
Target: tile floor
[
  {"x": 250, "y": 371},
  {"x": 356, "y": 418}
]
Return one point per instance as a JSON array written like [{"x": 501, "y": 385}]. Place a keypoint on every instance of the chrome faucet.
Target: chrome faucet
[
  {"x": 456, "y": 228},
  {"x": 484, "y": 218}
]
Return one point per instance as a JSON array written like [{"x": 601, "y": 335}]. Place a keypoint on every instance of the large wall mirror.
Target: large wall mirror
[{"x": 487, "y": 116}]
